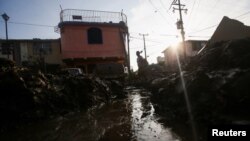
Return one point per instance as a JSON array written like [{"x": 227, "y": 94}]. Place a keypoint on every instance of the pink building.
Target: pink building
[{"x": 94, "y": 40}]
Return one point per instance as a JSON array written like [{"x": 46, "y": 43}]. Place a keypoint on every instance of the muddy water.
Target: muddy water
[
  {"x": 129, "y": 119},
  {"x": 145, "y": 125}
]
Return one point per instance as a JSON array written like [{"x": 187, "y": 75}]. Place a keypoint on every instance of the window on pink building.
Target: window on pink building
[{"x": 95, "y": 36}]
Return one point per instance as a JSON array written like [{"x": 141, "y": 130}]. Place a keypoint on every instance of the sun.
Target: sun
[{"x": 175, "y": 44}]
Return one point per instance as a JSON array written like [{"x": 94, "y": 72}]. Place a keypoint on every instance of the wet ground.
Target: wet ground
[{"x": 126, "y": 119}]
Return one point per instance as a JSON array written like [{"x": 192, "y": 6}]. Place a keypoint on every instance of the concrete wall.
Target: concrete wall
[
  {"x": 24, "y": 51},
  {"x": 55, "y": 57},
  {"x": 4, "y": 55}
]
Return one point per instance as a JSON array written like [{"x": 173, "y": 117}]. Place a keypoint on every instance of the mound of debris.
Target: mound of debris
[
  {"x": 27, "y": 95},
  {"x": 151, "y": 72},
  {"x": 224, "y": 55},
  {"x": 217, "y": 82}
]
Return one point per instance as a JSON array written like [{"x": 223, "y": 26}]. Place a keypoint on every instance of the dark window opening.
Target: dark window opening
[
  {"x": 40, "y": 48},
  {"x": 94, "y": 36},
  {"x": 6, "y": 48}
]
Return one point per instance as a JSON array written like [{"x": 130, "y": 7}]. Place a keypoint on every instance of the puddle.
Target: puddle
[
  {"x": 145, "y": 125},
  {"x": 127, "y": 119}
]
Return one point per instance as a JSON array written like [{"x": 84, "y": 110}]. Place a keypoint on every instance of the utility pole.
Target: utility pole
[
  {"x": 128, "y": 58},
  {"x": 180, "y": 23},
  {"x": 145, "y": 51},
  {"x": 6, "y": 18}
]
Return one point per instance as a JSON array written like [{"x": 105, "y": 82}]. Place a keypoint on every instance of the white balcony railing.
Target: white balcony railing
[{"x": 92, "y": 16}]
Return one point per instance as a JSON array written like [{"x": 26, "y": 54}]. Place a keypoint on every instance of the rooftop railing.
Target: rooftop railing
[{"x": 92, "y": 16}]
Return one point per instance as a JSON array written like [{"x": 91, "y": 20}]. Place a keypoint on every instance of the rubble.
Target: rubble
[
  {"x": 224, "y": 55},
  {"x": 217, "y": 82},
  {"x": 152, "y": 72},
  {"x": 28, "y": 95}
]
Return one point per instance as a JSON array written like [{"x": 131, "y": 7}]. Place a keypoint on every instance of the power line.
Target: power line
[
  {"x": 169, "y": 35},
  {"x": 244, "y": 18},
  {"x": 137, "y": 46},
  {"x": 146, "y": 40},
  {"x": 218, "y": 24},
  {"x": 204, "y": 29},
  {"x": 167, "y": 10},
  {"x": 162, "y": 4},
  {"x": 192, "y": 9},
  {"x": 188, "y": 24},
  {"x": 30, "y": 24},
  {"x": 200, "y": 36},
  {"x": 189, "y": 17},
  {"x": 209, "y": 16},
  {"x": 231, "y": 9},
  {"x": 243, "y": 14},
  {"x": 151, "y": 3},
  {"x": 152, "y": 53},
  {"x": 133, "y": 48},
  {"x": 60, "y": 5}
]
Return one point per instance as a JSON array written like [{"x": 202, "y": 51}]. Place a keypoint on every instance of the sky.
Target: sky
[{"x": 37, "y": 19}]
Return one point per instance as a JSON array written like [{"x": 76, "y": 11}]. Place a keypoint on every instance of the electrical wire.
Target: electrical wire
[
  {"x": 201, "y": 23},
  {"x": 243, "y": 14},
  {"x": 204, "y": 29},
  {"x": 162, "y": 4},
  {"x": 151, "y": 3},
  {"x": 30, "y": 24},
  {"x": 167, "y": 10},
  {"x": 146, "y": 40},
  {"x": 191, "y": 11},
  {"x": 200, "y": 36},
  {"x": 248, "y": 12}
]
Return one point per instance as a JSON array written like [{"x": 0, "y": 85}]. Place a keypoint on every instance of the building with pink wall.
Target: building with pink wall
[{"x": 93, "y": 40}]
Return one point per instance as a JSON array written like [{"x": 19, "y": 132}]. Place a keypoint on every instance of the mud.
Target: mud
[
  {"x": 28, "y": 95},
  {"x": 132, "y": 118}
]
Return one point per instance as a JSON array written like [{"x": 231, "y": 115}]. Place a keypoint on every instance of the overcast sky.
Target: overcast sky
[{"x": 37, "y": 18}]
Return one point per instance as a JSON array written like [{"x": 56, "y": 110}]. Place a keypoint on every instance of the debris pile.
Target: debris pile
[
  {"x": 224, "y": 55},
  {"x": 151, "y": 73},
  {"x": 27, "y": 95},
  {"x": 217, "y": 82}
]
